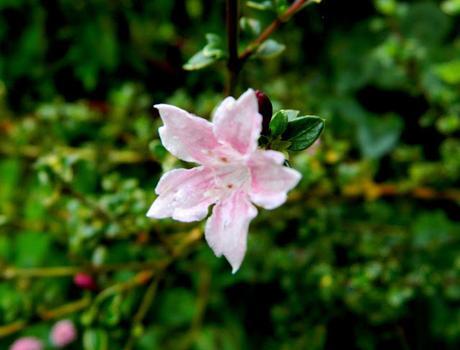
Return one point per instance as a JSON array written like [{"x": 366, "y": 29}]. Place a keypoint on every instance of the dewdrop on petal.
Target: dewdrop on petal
[
  {"x": 63, "y": 333},
  {"x": 27, "y": 343},
  {"x": 233, "y": 173}
]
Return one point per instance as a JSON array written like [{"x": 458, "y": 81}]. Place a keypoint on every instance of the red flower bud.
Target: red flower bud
[
  {"x": 84, "y": 281},
  {"x": 265, "y": 110}
]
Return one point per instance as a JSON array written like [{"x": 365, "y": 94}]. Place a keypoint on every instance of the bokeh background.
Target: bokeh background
[{"x": 365, "y": 254}]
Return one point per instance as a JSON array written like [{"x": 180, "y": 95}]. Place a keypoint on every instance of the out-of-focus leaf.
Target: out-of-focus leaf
[
  {"x": 377, "y": 136},
  {"x": 199, "y": 61},
  {"x": 95, "y": 339},
  {"x": 269, "y": 48},
  {"x": 260, "y": 4},
  {"x": 449, "y": 72},
  {"x": 451, "y": 7},
  {"x": 212, "y": 52},
  {"x": 182, "y": 302},
  {"x": 250, "y": 25},
  {"x": 420, "y": 19},
  {"x": 32, "y": 249}
]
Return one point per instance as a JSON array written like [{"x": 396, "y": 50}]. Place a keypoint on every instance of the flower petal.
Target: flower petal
[
  {"x": 227, "y": 229},
  {"x": 184, "y": 195},
  {"x": 239, "y": 123},
  {"x": 186, "y": 136},
  {"x": 270, "y": 179}
]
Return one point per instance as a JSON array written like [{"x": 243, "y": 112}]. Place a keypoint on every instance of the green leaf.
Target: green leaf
[
  {"x": 199, "y": 61},
  {"x": 95, "y": 339},
  {"x": 262, "y": 5},
  {"x": 269, "y": 49},
  {"x": 214, "y": 47},
  {"x": 250, "y": 25},
  {"x": 212, "y": 52},
  {"x": 32, "y": 248},
  {"x": 279, "y": 123},
  {"x": 281, "y": 6},
  {"x": 451, "y": 7},
  {"x": 302, "y": 132},
  {"x": 449, "y": 72},
  {"x": 377, "y": 136},
  {"x": 181, "y": 300}
]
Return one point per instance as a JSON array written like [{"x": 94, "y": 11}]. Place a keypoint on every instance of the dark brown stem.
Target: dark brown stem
[{"x": 233, "y": 63}]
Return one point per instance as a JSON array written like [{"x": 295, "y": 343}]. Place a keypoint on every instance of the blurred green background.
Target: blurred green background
[{"x": 365, "y": 254}]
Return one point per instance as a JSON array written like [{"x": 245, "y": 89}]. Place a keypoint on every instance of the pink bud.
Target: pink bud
[
  {"x": 265, "y": 110},
  {"x": 27, "y": 343},
  {"x": 63, "y": 333},
  {"x": 84, "y": 281}
]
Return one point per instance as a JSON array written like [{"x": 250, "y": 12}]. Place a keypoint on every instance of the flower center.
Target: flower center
[{"x": 230, "y": 177}]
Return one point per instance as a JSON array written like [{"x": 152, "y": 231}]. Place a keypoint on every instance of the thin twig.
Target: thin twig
[
  {"x": 144, "y": 307},
  {"x": 284, "y": 17},
  {"x": 139, "y": 279}
]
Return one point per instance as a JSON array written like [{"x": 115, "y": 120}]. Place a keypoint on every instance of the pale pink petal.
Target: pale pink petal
[
  {"x": 184, "y": 195},
  {"x": 186, "y": 136},
  {"x": 239, "y": 123},
  {"x": 270, "y": 179},
  {"x": 227, "y": 229}
]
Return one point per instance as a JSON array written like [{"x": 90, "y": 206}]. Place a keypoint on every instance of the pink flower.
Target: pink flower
[
  {"x": 233, "y": 173},
  {"x": 63, "y": 333},
  {"x": 27, "y": 343}
]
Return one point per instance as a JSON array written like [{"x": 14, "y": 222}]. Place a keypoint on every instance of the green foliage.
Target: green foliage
[
  {"x": 269, "y": 49},
  {"x": 364, "y": 254},
  {"x": 212, "y": 52},
  {"x": 303, "y": 131}
]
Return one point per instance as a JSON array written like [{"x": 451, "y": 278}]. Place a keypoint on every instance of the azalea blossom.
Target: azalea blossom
[
  {"x": 27, "y": 343},
  {"x": 233, "y": 173},
  {"x": 63, "y": 333}
]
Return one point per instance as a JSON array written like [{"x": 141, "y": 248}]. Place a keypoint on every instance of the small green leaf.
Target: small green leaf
[
  {"x": 377, "y": 136},
  {"x": 199, "y": 61},
  {"x": 250, "y": 25},
  {"x": 269, "y": 49},
  {"x": 95, "y": 339},
  {"x": 278, "y": 124},
  {"x": 214, "y": 46},
  {"x": 302, "y": 132},
  {"x": 262, "y": 5},
  {"x": 449, "y": 72},
  {"x": 451, "y": 7},
  {"x": 212, "y": 52},
  {"x": 281, "y": 6}
]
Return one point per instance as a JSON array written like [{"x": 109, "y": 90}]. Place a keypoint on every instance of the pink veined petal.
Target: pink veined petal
[
  {"x": 186, "y": 136},
  {"x": 239, "y": 123},
  {"x": 184, "y": 195},
  {"x": 227, "y": 228},
  {"x": 270, "y": 181}
]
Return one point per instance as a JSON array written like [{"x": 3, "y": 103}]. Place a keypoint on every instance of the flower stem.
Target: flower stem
[{"x": 233, "y": 63}]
